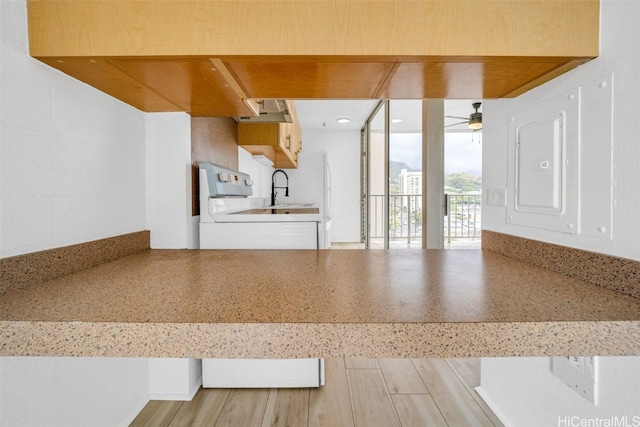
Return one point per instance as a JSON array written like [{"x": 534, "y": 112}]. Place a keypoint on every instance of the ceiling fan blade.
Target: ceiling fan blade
[
  {"x": 456, "y": 124},
  {"x": 456, "y": 117}
]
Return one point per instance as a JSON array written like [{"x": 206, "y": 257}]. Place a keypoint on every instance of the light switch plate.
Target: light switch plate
[{"x": 497, "y": 196}]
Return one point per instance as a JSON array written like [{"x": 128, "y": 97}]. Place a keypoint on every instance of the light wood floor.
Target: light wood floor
[
  {"x": 346, "y": 245},
  {"x": 415, "y": 244},
  {"x": 358, "y": 393}
]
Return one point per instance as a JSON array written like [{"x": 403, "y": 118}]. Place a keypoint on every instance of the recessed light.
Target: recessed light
[
  {"x": 396, "y": 120},
  {"x": 344, "y": 120}
]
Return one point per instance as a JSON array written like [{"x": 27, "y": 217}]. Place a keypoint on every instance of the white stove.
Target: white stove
[{"x": 231, "y": 220}]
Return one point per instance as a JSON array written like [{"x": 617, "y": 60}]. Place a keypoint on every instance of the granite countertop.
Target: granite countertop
[{"x": 308, "y": 303}]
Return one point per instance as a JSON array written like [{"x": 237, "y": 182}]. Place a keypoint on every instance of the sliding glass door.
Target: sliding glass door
[
  {"x": 405, "y": 174},
  {"x": 377, "y": 206},
  {"x": 393, "y": 158}
]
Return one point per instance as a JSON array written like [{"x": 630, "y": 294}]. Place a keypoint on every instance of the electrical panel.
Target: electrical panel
[
  {"x": 560, "y": 161},
  {"x": 543, "y": 147}
]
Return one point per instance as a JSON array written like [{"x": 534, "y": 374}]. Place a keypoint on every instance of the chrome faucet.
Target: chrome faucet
[{"x": 273, "y": 186}]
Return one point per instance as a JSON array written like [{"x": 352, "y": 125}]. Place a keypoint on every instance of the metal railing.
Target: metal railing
[
  {"x": 463, "y": 216},
  {"x": 462, "y": 220},
  {"x": 405, "y": 217}
]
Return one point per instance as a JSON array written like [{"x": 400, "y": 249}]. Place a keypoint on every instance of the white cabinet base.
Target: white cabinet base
[
  {"x": 258, "y": 235},
  {"x": 262, "y": 373}
]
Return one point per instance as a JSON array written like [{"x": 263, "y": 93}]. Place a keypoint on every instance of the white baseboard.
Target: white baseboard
[{"x": 178, "y": 396}]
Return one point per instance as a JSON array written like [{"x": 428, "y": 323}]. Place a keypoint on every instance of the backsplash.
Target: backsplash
[
  {"x": 37, "y": 267},
  {"x": 618, "y": 274}
]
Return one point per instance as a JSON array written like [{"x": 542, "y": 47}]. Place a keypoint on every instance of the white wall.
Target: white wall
[
  {"x": 524, "y": 393},
  {"x": 72, "y": 169},
  {"x": 620, "y": 39},
  {"x": 168, "y": 169},
  {"x": 72, "y": 158},
  {"x": 522, "y": 389},
  {"x": 343, "y": 155},
  {"x": 259, "y": 173},
  {"x": 69, "y": 392}
]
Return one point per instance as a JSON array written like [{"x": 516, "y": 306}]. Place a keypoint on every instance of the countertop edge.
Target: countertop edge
[{"x": 327, "y": 340}]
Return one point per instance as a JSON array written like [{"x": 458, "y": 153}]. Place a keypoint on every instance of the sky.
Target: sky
[{"x": 462, "y": 151}]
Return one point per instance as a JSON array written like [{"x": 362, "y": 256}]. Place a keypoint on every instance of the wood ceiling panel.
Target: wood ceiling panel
[
  {"x": 155, "y": 55},
  {"x": 460, "y": 80},
  {"x": 311, "y": 78},
  {"x": 212, "y": 87},
  {"x": 193, "y": 84},
  {"x": 100, "y": 74}
]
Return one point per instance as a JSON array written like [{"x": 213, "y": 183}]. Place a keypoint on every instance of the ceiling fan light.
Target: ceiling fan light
[
  {"x": 475, "y": 121},
  {"x": 475, "y": 124}
]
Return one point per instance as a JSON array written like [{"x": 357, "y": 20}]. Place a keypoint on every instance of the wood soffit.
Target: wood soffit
[
  {"x": 200, "y": 87},
  {"x": 209, "y": 59}
]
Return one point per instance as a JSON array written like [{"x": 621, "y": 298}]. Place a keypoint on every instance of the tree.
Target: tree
[{"x": 463, "y": 182}]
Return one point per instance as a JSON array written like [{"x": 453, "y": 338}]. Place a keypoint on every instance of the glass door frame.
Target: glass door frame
[{"x": 366, "y": 164}]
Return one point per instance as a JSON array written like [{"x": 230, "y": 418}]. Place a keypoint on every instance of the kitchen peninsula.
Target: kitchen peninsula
[{"x": 308, "y": 303}]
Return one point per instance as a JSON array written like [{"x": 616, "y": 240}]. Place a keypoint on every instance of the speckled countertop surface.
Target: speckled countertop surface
[{"x": 356, "y": 303}]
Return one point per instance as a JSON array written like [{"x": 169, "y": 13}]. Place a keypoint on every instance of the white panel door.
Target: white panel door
[{"x": 539, "y": 166}]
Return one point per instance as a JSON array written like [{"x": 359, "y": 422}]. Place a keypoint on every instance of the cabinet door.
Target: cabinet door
[
  {"x": 259, "y": 134},
  {"x": 297, "y": 138},
  {"x": 285, "y": 136},
  {"x": 260, "y": 139},
  {"x": 285, "y": 157},
  {"x": 280, "y": 142}
]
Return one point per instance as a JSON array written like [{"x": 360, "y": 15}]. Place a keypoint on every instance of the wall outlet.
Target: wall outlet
[
  {"x": 580, "y": 373},
  {"x": 497, "y": 196}
]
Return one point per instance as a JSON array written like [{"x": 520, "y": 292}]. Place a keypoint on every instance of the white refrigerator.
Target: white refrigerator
[{"x": 311, "y": 183}]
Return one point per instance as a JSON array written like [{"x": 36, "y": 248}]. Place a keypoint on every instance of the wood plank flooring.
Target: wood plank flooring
[
  {"x": 358, "y": 393},
  {"x": 414, "y": 244}
]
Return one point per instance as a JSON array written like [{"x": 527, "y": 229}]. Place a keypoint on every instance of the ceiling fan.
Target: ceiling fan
[{"x": 474, "y": 121}]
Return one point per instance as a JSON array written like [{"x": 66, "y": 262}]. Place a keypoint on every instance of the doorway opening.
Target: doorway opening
[
  {"x": 462, "y": 177},
  {"x": 393, "y": 215},
  {"x": 394, "y": 176}
]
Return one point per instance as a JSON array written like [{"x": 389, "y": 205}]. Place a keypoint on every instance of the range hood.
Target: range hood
[{"x": 269, "y": 110}]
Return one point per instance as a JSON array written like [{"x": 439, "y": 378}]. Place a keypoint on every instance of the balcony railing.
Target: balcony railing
[
  {"x": 463, "y": 216},
  {"x": 405, "y": 217}
]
